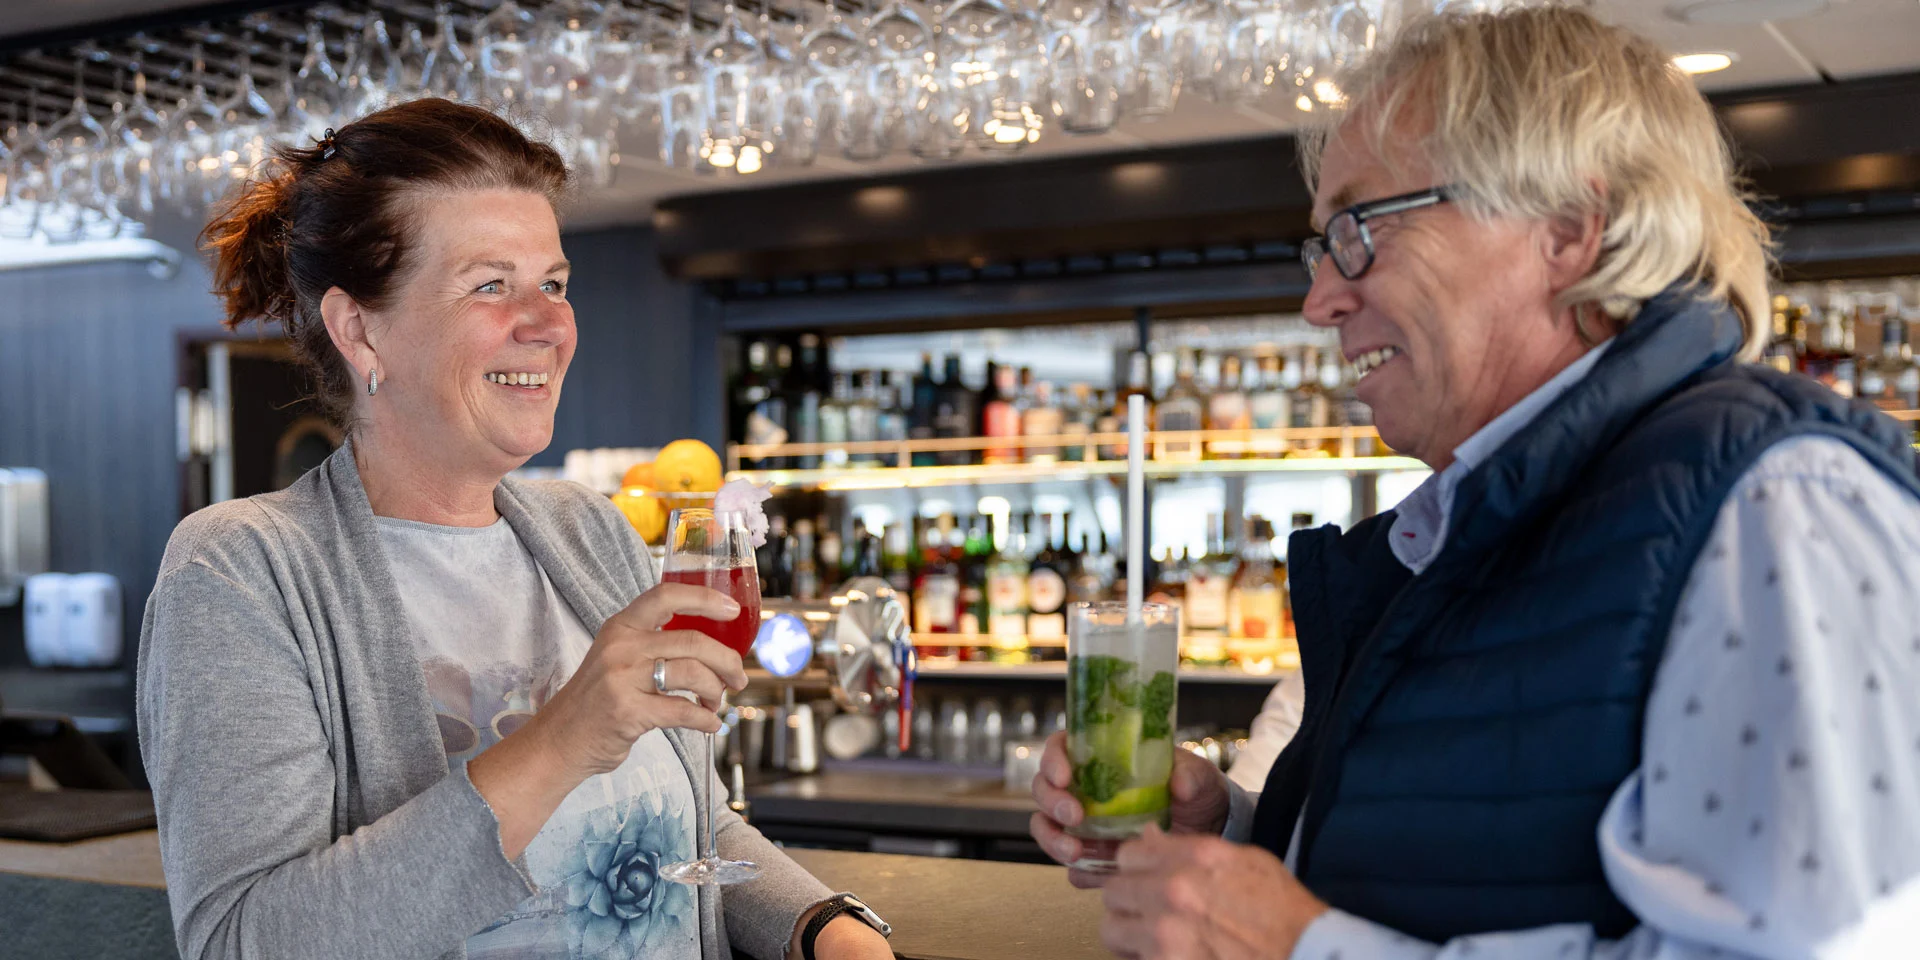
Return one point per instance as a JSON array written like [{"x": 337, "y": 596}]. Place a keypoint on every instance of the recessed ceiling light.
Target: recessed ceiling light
[
  {"x": 1697, "y": 63},
  {"x": 1744, "y": 11}
]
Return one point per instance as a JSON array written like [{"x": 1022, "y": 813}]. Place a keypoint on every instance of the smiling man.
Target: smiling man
[{"x": 1620, "y": 679}]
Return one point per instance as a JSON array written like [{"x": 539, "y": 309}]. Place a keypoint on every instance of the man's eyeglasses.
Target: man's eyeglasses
[{"x": 1350, "y": 242}]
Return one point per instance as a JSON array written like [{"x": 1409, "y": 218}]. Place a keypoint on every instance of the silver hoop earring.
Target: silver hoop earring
[{"x": 373, "y": 382}]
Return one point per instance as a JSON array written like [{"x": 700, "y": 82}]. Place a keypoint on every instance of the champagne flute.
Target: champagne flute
[{"x": 713, "y": 550}]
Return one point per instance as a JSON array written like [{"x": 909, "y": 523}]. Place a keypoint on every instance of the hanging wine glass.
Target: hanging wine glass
[
  {"x": 780, "y": 113},
  {"x": 317, "y": 87},
  {"x": 1091, "y": 62},
  {"x": 29, "y": 175},
  {"x": 562, "y": 55},
  {"x": 246, "y": 125},
  {"x": 374, "y": 73},
  {"x": 448, "y": 71},
  {"x": 74, "y": 143},
  {"x": 899, "y": 41},
  {"x": 411, "y": 56},
  {"x": 831, "y": 52},
  {"x": 1156, "y": 42},
  {"x": 502, "y": 39},
  {"x": 194, "y": 168},
  {"x": 729, "y": 63},
  {"x": 937, "y": 124},
  {"x": 683, "y": 101},
  {"x": 1015, "y": 82}
]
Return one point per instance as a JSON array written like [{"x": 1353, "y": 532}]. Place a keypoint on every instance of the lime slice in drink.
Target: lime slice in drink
[{"x": 1130, "y": 802}]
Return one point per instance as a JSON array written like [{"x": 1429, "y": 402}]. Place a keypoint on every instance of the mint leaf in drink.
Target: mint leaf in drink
[
  {"x": 1092, "y": 681},
  {"x": 1156, "y": 706},
  {"x": 1097, "y": 780}
]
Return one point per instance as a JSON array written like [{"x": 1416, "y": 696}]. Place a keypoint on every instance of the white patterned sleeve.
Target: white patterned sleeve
[{"x": 1776, "y": 812}]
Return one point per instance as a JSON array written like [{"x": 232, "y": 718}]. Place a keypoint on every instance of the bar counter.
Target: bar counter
[{"x": 941, "y": 909}]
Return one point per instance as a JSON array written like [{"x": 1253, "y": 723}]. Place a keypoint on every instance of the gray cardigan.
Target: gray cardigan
[{"x": 305, "y": 806}]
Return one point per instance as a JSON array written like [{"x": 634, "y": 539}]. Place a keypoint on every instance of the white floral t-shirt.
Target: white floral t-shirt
[{"x": 496, "y": 642}]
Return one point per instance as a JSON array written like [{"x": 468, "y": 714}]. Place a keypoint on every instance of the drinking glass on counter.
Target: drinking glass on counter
[
  {"x": 714, "y": 550},
  {"x": 1121, "y": 695}
]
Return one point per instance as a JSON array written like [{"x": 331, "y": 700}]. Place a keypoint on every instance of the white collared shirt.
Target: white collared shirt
[{"x": 1776, "y": 812}]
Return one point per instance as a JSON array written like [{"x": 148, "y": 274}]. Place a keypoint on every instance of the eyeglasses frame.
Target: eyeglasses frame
[{"x": 1317, "y": 248}]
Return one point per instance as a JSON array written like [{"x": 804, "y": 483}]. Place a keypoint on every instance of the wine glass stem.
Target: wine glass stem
[{"x": 709, "y": 850}]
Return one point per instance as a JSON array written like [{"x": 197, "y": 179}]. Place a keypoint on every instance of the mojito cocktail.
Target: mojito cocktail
[{"x": 1121, "y": 693}]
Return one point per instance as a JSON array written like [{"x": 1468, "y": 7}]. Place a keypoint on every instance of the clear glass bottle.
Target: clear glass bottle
[
  {"x": 834, "y": 420},
  {"x": 1139, "y": 381},
  {"x": 1229, "y": 409},
  {"x": 1268, "y": 409},
  {"x": 863, "y": 417},
  {"x": 1182, "y": 408},
  {"x": 1209, "y": 579},
  {"x": 1000, "y": 412},
  {"x": 892, "y": 422},
  {"x": 1007, "y": 597},
  {"x": 1043, "y": 418},
  {"x": 1256, "y": 602},
  {"x": 804, "y": 408},
  {"x": 806, "y": 571},
  {"x": 1047, "y": 588},
  {"x": 1309, "y": 408},
  {"x": 1077, "y": 419}
]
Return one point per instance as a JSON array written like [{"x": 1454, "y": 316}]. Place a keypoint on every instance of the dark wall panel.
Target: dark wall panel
[{"x": 87, "y": 377}]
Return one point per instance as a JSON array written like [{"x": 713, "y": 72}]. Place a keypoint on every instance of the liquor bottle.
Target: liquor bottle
[
  {"x": 866, "y": 556},
  {"x": 1077, "y": 420},
  {"x": 1209, "y": 580},
  {"x": 863, "y": 418},
  {"x": 1168, "y": 583},
  {"x": 806, "y": 569},
  {"x": 1309, "y": 407},
  {"x": 1344, "y": 408},
  {"x": 1042, "y": 418},
  {"x": 805, "y": 406},
  {"x": 1255, "y": 602},
  {"x": 1267, "y": 408},
  {"x": 1891, "y": 380},
  {"x": 1229, "y": 409},
  {"x": 1007, "y": 598},
  {"x": 895, "y": 564},
  {"x": 1829, "y": 357},
  {"x": 936, "y": 595},
  {"x": 767, "y": 422},
  {"x": 1047, "y": 589},
  {"x": 974, "y": 556},
  {"x": 1782, "y": 353},
  {"x": 749, "y": 392},
  {"x": 955, "y": 413},
  {"x": 1180, "y": 409},
  {"x": 1139, "y": 381},
  {"x": 923, "y": 405},
  {"x": 832, "y": 561},
  {"x": 774, "y": 563},
  {"x": 1085, "y": 584},
  {"x": 834, "y": 427},
  {"x": 999, "y": 415},
  {"x": 891, "y": 425}
]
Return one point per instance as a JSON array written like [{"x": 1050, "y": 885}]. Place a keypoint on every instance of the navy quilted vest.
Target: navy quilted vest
[{"x": 1466, "y": 727}]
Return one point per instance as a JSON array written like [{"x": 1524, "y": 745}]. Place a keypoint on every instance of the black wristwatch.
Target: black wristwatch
[{"x": 843, "y": 903}]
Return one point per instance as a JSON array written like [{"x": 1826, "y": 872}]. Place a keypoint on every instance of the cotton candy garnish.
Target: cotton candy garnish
[{"x": 744, "y": 498}]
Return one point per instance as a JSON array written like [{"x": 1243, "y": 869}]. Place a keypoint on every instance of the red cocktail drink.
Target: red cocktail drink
[{"x": 740, "y": 583}]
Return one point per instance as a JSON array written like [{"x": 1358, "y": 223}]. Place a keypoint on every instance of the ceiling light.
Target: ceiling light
[{"x": 1698, "y": 63}]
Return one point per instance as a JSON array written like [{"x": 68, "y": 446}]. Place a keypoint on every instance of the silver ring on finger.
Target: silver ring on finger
[{"x": 660, "y": 675}]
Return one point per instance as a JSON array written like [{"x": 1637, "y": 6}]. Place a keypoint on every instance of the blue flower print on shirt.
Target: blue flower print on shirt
[{"x": 617, "y": 902}]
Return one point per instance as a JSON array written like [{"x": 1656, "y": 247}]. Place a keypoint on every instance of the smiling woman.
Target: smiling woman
[{"x": 408, "y": 706}]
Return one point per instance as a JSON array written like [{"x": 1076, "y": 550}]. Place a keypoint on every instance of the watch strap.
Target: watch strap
[{"x": 832, "y": 909}]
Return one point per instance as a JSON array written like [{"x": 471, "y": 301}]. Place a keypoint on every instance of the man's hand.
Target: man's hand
[
  {"x": 1198, "y": 790},
  {"x": 1203, "y": 898}
]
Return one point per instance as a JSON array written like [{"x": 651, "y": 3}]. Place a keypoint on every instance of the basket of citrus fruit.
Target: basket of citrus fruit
[{"x": 685, "y": 473}]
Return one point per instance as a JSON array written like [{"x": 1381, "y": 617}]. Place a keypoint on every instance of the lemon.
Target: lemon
[
  {"x": 686, "y": 466},
  {"x": 1130, "y": 802},
  {"x": 644, "y": 510}
]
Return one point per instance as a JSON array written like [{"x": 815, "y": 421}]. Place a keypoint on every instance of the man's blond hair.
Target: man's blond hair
[{"x": 1549, "y": 112}]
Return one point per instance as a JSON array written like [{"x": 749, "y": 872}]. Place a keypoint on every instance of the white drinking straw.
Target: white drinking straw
[{"x": 1136, "y": 500}]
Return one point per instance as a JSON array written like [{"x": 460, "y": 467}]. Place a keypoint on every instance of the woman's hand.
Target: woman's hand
[
  {"x": 610, "y": 702},
  {"x": 590, "y": 726}
]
